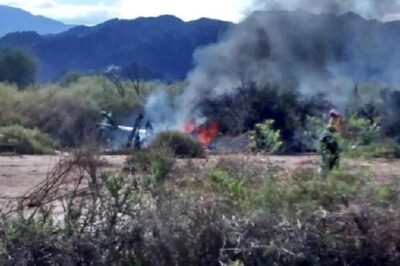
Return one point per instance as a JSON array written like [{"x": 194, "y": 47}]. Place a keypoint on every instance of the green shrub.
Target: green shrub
[
  {"x": 25, "y": 141},
  {"x": 264, "y": 138},
  {"x": 385, "y": 148},
  {"x": 70, "y": 78},
  {"x": 303, "y": 193},
  {"x": 154, "y": 163},
  {"x": 160, "y": 166},
  {"x": 68, "y": 115},
  {"x": 233, "y": 186},
  {"x": 363, "y": 138},
  {"x": 10, "y": 101},
  {"x": 386, "y": 193},
  {"x": 361, "y": 131},
  {"x": 182, "y": 145}
]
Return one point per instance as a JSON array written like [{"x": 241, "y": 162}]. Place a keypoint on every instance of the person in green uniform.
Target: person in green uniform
[{"x": 329, "y": 149}]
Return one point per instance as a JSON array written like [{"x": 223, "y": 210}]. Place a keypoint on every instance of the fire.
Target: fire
[
  {"x": 205, "y": 133},
  {"x": 189, "y": 127}
]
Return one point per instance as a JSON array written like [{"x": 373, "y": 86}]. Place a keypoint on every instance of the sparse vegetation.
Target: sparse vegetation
[
  {"x": 20, "y": 140},
  {"x": 239, "y": 212},
  {"x": 68, "y": 115},
  {"x": 164, "y": 210}
]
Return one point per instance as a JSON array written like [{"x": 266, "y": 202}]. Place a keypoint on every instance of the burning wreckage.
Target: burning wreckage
[{"x": 138, "y": 136}]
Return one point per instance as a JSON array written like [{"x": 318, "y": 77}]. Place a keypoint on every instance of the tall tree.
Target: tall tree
[{"x": 17, "y": 66}]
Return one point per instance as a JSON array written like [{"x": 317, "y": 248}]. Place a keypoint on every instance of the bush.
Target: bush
[
  {"x": 233, "y": 186},
  {"x": 10, "y": 101},
  {"x": 25, "y": 141},
  {"x": 154, "y": 164},
  {"x": 385, "y": 148},
  {"x": 264, "y": 138},
  {"x": 364, "y": 138},
  {"x": 68, "y": 115},
  {"x": 182, "y": 145},
  {"x": 360, "y": 131},
  {"x": 70, "y": 78}
]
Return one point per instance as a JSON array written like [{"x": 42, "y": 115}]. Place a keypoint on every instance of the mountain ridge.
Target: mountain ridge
[
  {"x": 14, "y": 19},
  {"x": 163, "y": 45}
]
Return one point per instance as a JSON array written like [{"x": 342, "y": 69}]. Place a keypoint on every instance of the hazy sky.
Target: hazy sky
[
  {"x": 91, "y": 12},
  {"x": 95, "y": 11}
]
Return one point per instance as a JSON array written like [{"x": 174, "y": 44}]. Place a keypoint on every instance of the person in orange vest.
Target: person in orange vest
[{"x": 336, "y": 121}]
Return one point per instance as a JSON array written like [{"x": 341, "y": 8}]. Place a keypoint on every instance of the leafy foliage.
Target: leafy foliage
[
  {"x": 264, "y": 138},
  {"x": 24, "y": 141},
  {"x": 182, "y": 145},
  {"x": 154, "y": 163},
  {"x": 233, "y": 186},
  {"x": 17, "y": 66},
  {"x": 69, "y": 78},
  {"x": 68, "y": 115},
  {"x": 365, "y": 138},
  {"x": 361, "y": 131}
]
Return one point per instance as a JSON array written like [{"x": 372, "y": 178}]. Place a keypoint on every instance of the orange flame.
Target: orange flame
[
  {"x": 189, "y": 127},
  {"x": 205, "y": 133}
]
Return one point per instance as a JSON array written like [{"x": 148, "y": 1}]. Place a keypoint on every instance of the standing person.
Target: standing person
[
  {"x": 134, "y": 134},
  {"x": 336, "y": 121},
  {"x": 329, "y": 149}
]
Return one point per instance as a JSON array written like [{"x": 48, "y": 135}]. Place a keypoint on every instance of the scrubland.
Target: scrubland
[{"x": 174, "y": 203}]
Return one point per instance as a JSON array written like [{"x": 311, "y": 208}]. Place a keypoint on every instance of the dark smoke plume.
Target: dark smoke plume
[
  {"x": 377, "y": 9},
  {"x": 314, "y": 53}
]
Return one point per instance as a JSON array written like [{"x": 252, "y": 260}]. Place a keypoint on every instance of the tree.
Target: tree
[
  {"x": 252, "y": 104},
  {"x": 17, "y": 66}
]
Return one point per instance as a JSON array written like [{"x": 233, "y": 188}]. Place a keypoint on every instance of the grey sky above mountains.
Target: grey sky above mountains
[{"x": 90, "y": 12}]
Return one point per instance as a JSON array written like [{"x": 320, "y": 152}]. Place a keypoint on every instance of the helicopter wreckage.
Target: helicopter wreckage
[
  {"x": 115, "y": 136},
  {"x": 111, "y": 134}
]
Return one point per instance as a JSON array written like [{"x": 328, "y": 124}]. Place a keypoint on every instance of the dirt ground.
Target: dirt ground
[{"x": 20, "y": 173}]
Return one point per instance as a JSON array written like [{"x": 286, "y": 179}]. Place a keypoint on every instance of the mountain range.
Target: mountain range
[
  {"x": 15, "y": 19},
  {"x": 162, "y": 46}
]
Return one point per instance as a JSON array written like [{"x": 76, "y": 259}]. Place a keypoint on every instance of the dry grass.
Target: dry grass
[{"x": 214, "y": 211}]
